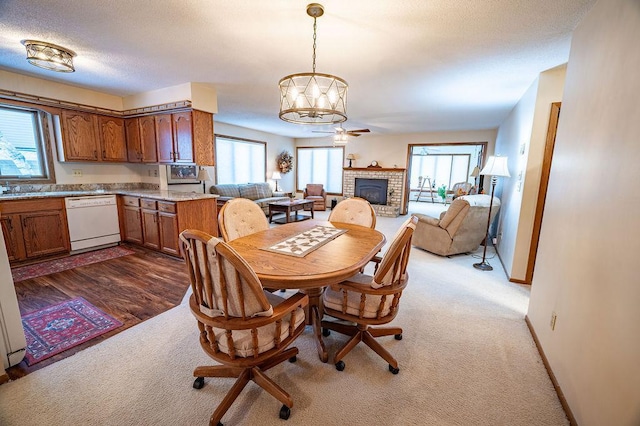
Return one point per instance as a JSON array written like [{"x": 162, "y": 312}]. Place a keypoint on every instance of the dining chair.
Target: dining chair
[
  {"x": 371, "y": 300},
  {"x": 242, "y": 327},
  {"x": 239, "y": 217},
  {"x": 354, "y": 210}
]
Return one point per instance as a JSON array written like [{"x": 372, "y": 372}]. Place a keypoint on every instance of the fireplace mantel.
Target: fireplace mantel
[{"x": 373, "y": 169}]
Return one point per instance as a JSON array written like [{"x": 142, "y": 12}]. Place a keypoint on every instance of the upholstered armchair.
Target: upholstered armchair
[
  {"x": 460, "y": 229},
  {"x": 316, "y": 192},
  {"x": 459, "y": 189}
]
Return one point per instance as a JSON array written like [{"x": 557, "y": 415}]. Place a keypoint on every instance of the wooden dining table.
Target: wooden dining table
[{"x": 331, "y": 263}]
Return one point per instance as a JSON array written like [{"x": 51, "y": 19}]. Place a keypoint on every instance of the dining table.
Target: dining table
[{"x": 323, "y": 262}]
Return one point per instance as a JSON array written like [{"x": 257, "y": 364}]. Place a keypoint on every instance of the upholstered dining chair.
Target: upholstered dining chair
[
  {"x": 371, "y": 300},
  {"x": 241, "y": 326},
  {"x": 354, "y": 210},
  {"x": 239, "y": 217},
  {"x": 316, "y": 193}
]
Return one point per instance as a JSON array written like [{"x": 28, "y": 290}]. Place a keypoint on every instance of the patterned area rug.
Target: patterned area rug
[
  {"x": 57, "y": 328},
  {"x": 304, "y": 243},
  {"x": 45, "y": 268}
]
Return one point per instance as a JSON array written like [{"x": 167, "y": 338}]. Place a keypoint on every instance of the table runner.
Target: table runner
[{"x": 305, "y": 242}]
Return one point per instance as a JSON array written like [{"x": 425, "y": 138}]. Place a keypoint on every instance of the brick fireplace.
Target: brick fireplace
[{"x": 395, "y": 187}]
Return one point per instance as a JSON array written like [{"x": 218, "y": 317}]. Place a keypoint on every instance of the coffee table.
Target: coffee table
[{"x": 287, "y": 207}]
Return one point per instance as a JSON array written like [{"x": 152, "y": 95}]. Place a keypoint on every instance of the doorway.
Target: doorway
[{"x": 431, "y": 167}]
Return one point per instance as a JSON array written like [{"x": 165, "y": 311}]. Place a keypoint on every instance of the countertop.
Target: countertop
[{"x": 144, "y": 193}]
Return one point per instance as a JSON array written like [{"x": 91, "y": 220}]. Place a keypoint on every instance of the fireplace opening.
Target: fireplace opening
[{"x": 372, "y": 190}]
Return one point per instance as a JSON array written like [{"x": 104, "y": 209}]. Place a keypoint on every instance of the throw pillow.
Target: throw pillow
[{"x": 249, "y": 191}]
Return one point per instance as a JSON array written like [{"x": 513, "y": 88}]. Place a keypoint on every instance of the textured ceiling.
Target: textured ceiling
[{"x": 411, "y": 65}]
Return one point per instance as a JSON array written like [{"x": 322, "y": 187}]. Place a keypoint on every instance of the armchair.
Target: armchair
[
  {"x": 242, "y": 327},
  {"x": 460, "y": 229},
  {"x": 316, "y": 192},
  {"x": 367, "y": 300}
]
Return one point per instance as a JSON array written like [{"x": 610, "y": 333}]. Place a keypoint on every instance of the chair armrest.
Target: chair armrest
[
  {"x": 367, "y": 289},
  {"x": 225, "y": 199},
  {"x": 428, "y": 219}
]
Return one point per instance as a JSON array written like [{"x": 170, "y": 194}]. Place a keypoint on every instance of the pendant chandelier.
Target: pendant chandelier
[{"x": 313, "y": 98}]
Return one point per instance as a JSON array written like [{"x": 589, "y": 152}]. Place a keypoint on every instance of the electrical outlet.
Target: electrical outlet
[
  {"x": 155, "y": 172},
  {"x": 554, "y": 317},
  {"x": 495, "y": 241},
  {"x": 77, "y": 172}
]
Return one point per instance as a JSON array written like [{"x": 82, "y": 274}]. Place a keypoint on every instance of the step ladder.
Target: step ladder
[{"x": 425, "y": 180}]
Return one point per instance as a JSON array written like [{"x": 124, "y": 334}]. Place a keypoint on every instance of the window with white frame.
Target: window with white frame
[
  {"x": 441, "y": 169},
  {"x": 23, "y": 153},
  {"x": 240, "y": 160},
  {"x": 320, "y": 165}
]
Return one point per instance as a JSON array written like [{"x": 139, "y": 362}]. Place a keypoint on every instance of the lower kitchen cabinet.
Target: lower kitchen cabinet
[
  {"x": 156, "y": 224},
  {"x": 34, "y": 228}
]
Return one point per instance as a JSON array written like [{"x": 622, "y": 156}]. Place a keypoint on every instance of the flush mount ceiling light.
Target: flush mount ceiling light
[
  {"x": 313, "y": 98},
  {"x": 49, "y": 56}
]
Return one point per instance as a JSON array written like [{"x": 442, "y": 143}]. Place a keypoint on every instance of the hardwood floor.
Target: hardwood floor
[{"x": 130, "y": 288}]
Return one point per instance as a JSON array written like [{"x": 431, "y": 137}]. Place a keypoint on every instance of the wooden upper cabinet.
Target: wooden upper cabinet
[
  {"x": 148, "y": 142},
  {"x": 203, "y": 147},
  {"x": 182, "y": 137},
  {"x": 164, "y": 138},
  {"x": 134, "y": 146},
  {"x": 112, "y": 138},
  {"x": 79, "y": 138}
]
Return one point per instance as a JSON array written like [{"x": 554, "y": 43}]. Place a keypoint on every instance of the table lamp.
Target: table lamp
[
  {"x": 474, "y": 174},
  {"x": 276, "y": 177},
  {"x": 496, "y": 167},
  {"x": 350, "y": 157},
  {"x": 204, "y": 177}
]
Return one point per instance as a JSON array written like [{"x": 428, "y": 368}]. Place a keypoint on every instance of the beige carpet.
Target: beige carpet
[{"x": 467, "y": 358}]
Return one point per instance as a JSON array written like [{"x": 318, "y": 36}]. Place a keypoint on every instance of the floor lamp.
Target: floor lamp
[{"x": 496, "y": 167}]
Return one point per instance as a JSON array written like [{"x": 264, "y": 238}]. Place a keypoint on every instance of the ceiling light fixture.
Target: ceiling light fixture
[
  {"x": 313, "y": 98},
  {"x": 49, "y": 56}
]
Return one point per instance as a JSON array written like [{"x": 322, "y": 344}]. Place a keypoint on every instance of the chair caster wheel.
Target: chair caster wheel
[
  {"x": 340, "y": 365},
  {"x": 398, "y": 336},
  {"x": 285, "y": 412},
  {"x": 293, "y": 359},
  {"x": 393, "y": 370},
  {"x": 326, "y": 332},
  {"x": 198, "y": 383}
]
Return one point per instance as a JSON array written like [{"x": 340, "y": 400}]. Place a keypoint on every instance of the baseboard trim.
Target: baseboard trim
[
  {"x": 554, "y": 381},
  {"x": 517, "y": 281}
]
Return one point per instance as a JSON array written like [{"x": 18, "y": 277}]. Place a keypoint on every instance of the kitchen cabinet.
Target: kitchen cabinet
[
  {"x": 79, "y": 136},
  {"x": 34, "y": 228},
  {"x": 185, "y": 137},
  {"x": 92, "y": 137},
  {"x": 113, "y": 142},
  {"x": 156, "y": 224},
  {"x": 141, "y": 140},
  {"x": 131, "y": 226}
]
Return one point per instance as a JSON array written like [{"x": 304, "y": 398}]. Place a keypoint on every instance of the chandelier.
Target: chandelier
[
  {"x": 313, "y": 98},
  {"x": 49, "y": 56}
]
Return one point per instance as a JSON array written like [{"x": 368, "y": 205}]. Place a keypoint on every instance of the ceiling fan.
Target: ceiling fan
[{"x": 341, "y": 131}]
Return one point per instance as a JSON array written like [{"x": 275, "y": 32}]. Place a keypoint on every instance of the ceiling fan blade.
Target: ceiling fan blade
[
  {"x": 360, "y": 131},
  {"x": 355, "y": 135},
  {"x": 320, "y": 131}
]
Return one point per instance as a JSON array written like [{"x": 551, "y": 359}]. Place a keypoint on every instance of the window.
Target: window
[
  {"x": 240, "y": 160},
  {"x": 23, "y": 152},
  {"x": 320, "y": 165},
  {"x": 442, "y": 169}
]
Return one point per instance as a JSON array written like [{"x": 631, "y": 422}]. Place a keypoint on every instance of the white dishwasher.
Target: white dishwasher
[{"x": 93, "y": 221}]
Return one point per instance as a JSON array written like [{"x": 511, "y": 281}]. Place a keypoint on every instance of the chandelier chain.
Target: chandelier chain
[{"x": 314, "y": 44}]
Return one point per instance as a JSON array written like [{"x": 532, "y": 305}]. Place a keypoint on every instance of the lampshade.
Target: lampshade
[
  {"x": 276, "y": 176},
  {"x": 313, "y": 98},
  {"x": 476, "y": 172},
  {"x": 496, "y": 166},
  {"x": 351, "y": 157},
  {"x": 203, "y": 175},
  {"x": 49, "y": 56}
]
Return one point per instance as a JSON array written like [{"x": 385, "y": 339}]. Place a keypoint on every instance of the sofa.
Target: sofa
[
  {"x": 260, "y": 193},
  {"x": 460, "y": 229}
]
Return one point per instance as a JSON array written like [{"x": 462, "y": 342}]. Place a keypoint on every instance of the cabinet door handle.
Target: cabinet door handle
[
  {"x": 177, "y": 155},
  {"x": 10, "y": 224},
  {"x": 104, "y": 154}
]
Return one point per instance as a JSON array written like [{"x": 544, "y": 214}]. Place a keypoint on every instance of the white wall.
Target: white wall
[
  {"x": 522, "y": 138},
  {"x": 275, "y": 145},
  {"x": 586, "y": 270}
]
